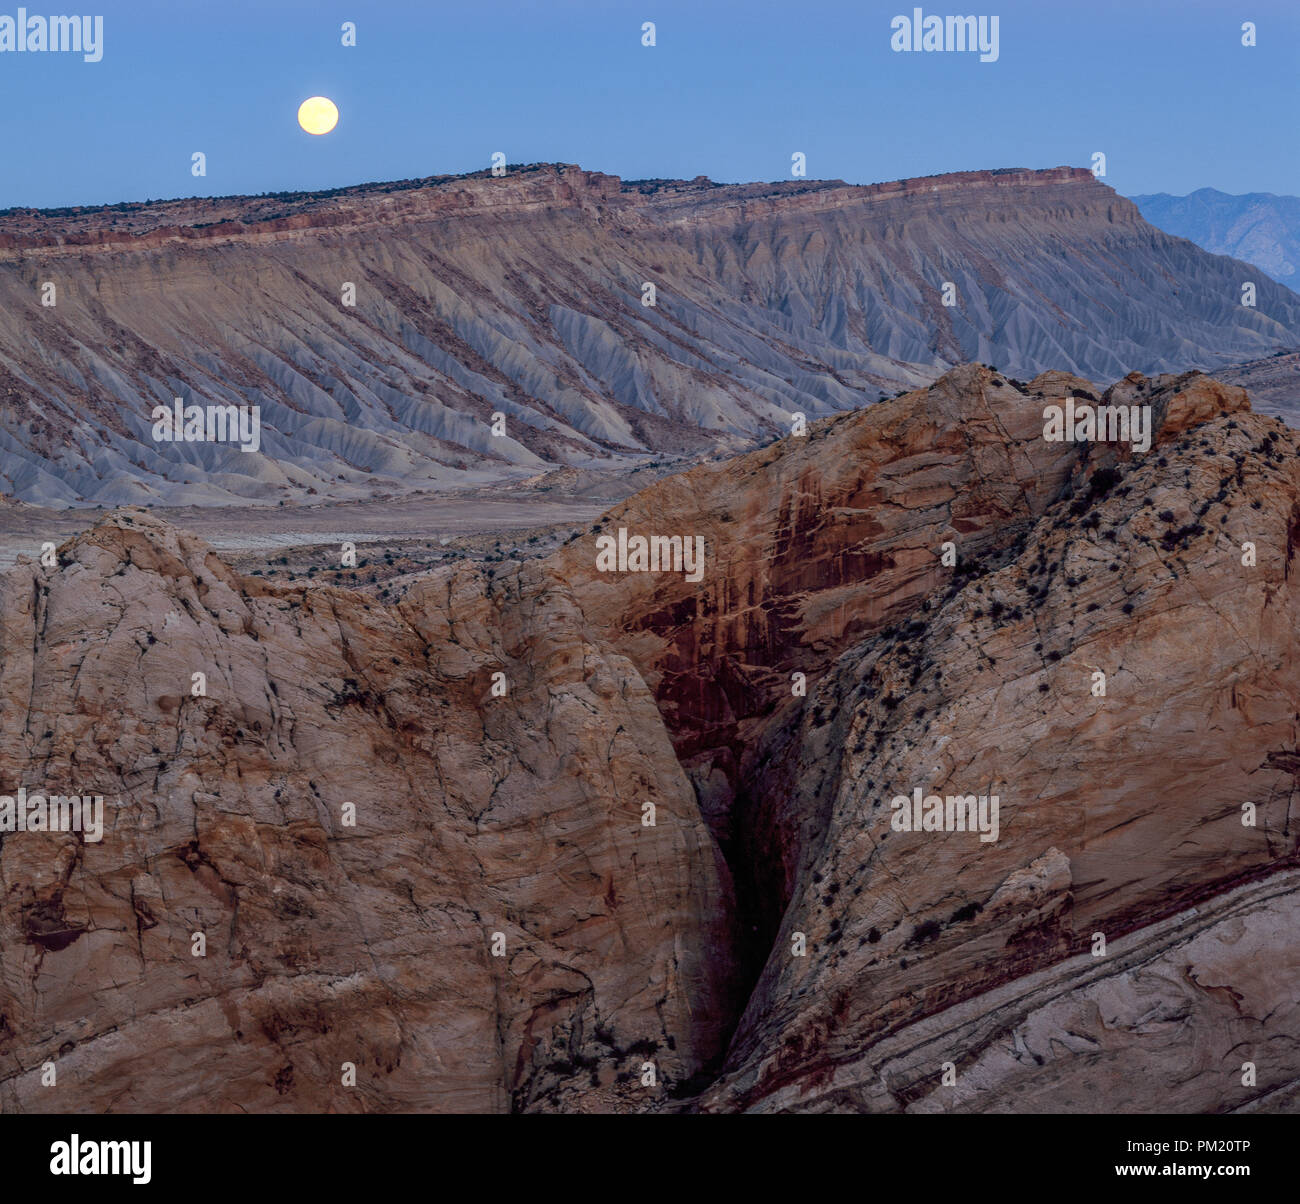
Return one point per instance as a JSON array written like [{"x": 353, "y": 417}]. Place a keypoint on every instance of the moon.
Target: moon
[{"x": 318, "y": 115}]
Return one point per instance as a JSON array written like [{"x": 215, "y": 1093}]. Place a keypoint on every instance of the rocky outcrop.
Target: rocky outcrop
[
  {"x": 1177, "y": 1017},
  {"x": 1168, "y": 575},
  {"x": 350, "y": 817},
  {"x": 674, "y": 799},
  {"x": 378, "y": 329}
]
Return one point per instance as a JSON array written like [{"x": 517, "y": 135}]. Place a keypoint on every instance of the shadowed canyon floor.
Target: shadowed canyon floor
[{"x": 502, "y": 732}]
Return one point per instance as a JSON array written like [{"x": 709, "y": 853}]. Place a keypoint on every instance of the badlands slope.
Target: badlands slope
[{"x": 523, "y": 296}]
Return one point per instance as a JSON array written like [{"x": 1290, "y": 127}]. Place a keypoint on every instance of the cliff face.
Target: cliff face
[
  {"x": 332, "y": 939},
  {"x": 524, "y": 296},
  {"x": 689, "y": 856},
  {"x": 1121, "y": 804}
]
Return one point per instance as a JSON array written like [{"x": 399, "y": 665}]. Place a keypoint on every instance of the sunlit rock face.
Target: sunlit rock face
[
  {"x": 548, "y": 835},
  {"x": 354, "y": 822}
]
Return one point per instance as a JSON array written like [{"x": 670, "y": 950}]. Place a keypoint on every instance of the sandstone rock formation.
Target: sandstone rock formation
[
  {"x": 326, "y": 943},
  {"x": 524, "y": 296},
  {"x": 678, "y": 943}
]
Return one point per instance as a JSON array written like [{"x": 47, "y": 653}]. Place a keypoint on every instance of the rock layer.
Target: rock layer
[{"x": 378, "y": 329}]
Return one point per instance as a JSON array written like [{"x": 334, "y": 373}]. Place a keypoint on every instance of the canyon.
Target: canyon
[{"x": 530, "y": 831}]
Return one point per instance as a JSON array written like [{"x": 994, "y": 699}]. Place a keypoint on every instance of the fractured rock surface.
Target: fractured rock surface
[
  {"x": 327, "y": 943},
  {"x": 1121, "y": 814}
]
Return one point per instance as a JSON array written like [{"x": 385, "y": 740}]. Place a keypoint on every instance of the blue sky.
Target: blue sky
[{"x": 1165, "y": 90}]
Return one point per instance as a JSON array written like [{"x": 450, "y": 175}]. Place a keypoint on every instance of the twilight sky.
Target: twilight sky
[{"x": 733, "y": 87}]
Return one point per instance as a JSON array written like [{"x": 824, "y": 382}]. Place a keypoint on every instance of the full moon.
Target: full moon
[{"x": 318, "y": 115}]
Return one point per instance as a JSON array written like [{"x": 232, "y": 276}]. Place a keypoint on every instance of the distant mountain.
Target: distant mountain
[
  {"x": 1259, "y": 227},
  {"x": 379, "y": 328}
]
